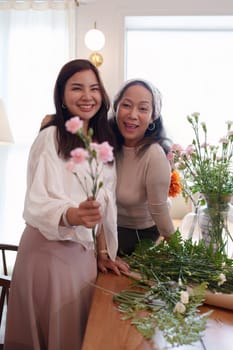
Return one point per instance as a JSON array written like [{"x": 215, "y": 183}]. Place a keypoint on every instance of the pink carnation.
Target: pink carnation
[
  {"x": 223, "y": 140},
  {"x": 170, "y": 156},
  {"x": 74, "y": 124},
  {"x": 78, "y": 155},
  {"x": 204, "y": 145},
  {"x": 105, "y": 152},
  {"x": 176, "y": 147},
  {"x": 189, "y": 150},
  {"x": 94, "y": 146}
]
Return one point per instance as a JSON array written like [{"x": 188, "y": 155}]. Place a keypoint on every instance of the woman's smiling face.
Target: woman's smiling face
[
  {"x": 82, "y": 96},
  {"x": 134, "y": 114}
]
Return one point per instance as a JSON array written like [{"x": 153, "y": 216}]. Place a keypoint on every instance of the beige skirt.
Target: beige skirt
[{"x": 50, "y": 295}]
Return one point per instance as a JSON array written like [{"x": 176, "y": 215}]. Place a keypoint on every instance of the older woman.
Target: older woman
[{"x": 143, "y": 170}]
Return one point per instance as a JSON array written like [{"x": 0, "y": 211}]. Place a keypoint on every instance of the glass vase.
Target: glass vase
[
  {"x": 215, "y": 220},
  {"x": 189, "y": 226}
]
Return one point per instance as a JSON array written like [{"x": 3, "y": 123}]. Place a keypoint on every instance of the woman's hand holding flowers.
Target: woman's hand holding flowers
[{"x": 87, "y": 214}]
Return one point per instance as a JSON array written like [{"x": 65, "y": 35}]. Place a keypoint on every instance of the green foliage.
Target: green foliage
[
  {"x": 172, "y": 286},
  {"x": 205, "y": 168},
  {"x": 183, "y": 260}
]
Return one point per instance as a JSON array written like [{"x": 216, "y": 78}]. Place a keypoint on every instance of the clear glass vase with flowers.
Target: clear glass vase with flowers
[{"x": 207, "y": 180}]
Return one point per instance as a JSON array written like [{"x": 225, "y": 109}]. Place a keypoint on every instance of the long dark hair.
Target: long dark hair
[
  {"x": 157, "y": 134},
  {"x": 99, "y": 123}
]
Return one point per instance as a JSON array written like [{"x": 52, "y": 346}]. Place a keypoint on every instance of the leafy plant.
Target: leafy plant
[
  {"x": 206, "y": 168},
  {"x": 172, "y": 286}
]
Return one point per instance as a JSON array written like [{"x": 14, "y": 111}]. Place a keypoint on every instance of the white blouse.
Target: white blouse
[{"x": 52, "y": 189}]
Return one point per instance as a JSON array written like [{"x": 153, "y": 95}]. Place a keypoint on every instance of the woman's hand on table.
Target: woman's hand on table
[{"x": 105, "y": 264}]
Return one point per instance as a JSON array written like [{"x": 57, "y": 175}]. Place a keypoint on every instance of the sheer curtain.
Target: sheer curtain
[{"x": 36, "y": 39}]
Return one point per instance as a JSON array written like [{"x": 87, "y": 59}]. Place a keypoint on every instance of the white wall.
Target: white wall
[{"x": 109, "y": 17}]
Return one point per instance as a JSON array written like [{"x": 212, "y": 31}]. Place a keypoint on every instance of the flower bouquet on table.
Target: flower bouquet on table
[
  {"x": 207, "y": 180},
  {"x": 95, "y": 154},
  {"x": 171, "y": 285}
]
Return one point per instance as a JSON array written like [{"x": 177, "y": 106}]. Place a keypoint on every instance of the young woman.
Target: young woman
[
  {"x": 56, "y": 268},
  {"x": 143, "y": 171}
]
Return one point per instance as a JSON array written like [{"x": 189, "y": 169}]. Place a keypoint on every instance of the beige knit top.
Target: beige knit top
[{"x": 142, "y": 189}]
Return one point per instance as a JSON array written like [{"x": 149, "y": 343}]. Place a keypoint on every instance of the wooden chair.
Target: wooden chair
[{"x": 5, "y": 278}]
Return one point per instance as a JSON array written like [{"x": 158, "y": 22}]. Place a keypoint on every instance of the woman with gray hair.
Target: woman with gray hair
[{"x": 143, "y": 170}]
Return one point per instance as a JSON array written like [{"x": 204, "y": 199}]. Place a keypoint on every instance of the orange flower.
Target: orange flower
[{"x": 175, "y": 184}]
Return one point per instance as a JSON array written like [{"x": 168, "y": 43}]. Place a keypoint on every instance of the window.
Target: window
[
  {"x": 34, "y": 45},
  {"x": 190, "y": 60}
]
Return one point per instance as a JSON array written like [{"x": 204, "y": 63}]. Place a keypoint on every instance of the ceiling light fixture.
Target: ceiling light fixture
[{"x": 94, "y": 40}]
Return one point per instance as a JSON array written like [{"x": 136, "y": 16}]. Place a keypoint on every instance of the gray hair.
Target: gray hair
[{"x": 156, "y": 95}]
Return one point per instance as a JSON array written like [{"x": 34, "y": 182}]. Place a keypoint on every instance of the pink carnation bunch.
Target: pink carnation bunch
[{"x": 96, "y": 154}]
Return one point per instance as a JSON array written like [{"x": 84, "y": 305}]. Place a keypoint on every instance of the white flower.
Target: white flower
[
  {"x": 180, "y": 282},
  {"x": 179, "y": 307},
  {"x": 184, "y": 297},
  {"x": 222, "y": 279}
]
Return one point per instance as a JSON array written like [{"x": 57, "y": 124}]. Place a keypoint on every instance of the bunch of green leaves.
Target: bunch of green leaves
[
  {"x": 165, "y": 271},
  {"x": 154, "y": 306},
  {"x": 183, "y": 260}
]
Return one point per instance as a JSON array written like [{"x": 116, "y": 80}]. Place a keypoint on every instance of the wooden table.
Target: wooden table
[{"x": 106, "y": 331}]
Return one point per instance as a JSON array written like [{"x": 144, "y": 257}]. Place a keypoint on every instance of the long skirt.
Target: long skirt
[{"x": 50, "y": 295}]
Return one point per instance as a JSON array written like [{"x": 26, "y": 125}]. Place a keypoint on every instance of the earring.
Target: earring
[
  {"x": 63, "y": 106},
  {"x": 151, "y": 127}
]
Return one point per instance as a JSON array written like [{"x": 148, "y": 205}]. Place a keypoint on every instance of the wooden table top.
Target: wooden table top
[{"x": 107, "y": 331}]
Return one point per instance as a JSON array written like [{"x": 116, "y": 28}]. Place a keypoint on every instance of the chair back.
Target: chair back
[{"x": 8, "y": 251}]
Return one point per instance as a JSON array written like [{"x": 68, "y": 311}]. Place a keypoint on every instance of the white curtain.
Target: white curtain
[
  {"x": 35, "y": 4},
  {"x": 36, "y": 39}
]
